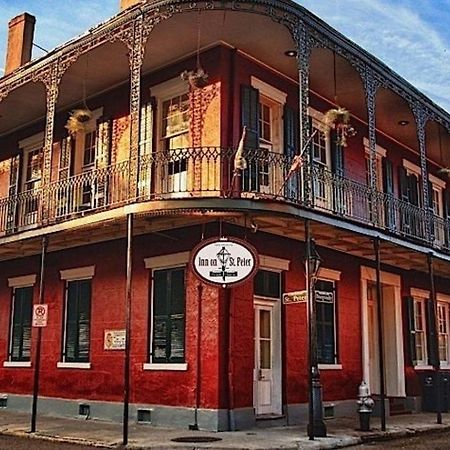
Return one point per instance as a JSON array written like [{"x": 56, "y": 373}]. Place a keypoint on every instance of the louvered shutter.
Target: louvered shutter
[
  {"x": 291, "y": 149},
  {"x": 250, "y": 119},
  {"x": 337, "y": 154},
  {"x": 388, "y": 187},
  {"x": 12, "y": 192},
  {"x": 431, "y": 210},
  {"x": 102, "y": 161},
  {"x": 431, "y": 334},
  {"x": 447, "y": 215},
  {"x": 146, "y": 129},
  {"x": 405, "y": 215},
  {"x": 409, "y": 304},
  {"x": 20, "y": 349},
  {"x": 78, "y": 321},
  {"x": 65, "y": 193}
]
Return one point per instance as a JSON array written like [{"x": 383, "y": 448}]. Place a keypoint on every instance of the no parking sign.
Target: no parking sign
[{"x": 40, "y": 315}]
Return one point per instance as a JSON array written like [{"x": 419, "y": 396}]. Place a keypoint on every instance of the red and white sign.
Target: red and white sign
[{"x": 40, "y": 315}]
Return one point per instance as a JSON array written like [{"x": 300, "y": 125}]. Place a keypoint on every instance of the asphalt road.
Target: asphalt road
[
  {"x": 19, "y": 443},
  {"x": 427, "y": 441}
]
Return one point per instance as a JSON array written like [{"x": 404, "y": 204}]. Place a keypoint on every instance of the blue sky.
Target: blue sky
[{"x": 410, "y": 36}]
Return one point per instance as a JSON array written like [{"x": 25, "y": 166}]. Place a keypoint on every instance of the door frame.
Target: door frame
[
  {"x": 276, "y": 353},
  {"x": 368, "y": 274}
]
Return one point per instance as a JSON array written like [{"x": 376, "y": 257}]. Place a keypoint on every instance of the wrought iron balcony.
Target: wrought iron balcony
[{"x": 209, "y": 172}]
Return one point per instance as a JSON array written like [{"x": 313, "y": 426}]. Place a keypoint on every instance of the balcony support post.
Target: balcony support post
[
  {"x": 421, "y": 119},
  {"x": 370, "y": 89},
  {"x": 303, "y": 42},
  {"x": 51, "y": 79},
  {"x": 136, "y": 46}
]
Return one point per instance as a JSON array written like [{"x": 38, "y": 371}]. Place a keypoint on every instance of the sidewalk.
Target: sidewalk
[{"x": 341, "y": 433}]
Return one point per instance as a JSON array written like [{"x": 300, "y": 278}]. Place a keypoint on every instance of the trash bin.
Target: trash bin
[{"x": 429, "y": 391}]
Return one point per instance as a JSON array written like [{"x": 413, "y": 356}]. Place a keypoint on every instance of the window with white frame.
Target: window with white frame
[
  {"x": 77, "y": 315},
  {"x": 175, "y": 122},
  {"x": 380, "y": 153},
  {"x": 443, "y": 331},
  {"x": 420, "y": 331},
  {"x": 321, "y": 141}
]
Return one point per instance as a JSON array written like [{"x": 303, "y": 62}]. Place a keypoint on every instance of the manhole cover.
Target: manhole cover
[{"x": 196, "y": 439}]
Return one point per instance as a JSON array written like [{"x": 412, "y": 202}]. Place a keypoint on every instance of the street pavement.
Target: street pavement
[{"x": 342, "y": 432}]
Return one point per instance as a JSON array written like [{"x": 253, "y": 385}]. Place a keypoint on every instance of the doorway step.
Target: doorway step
[{"x": 271, "y": 420}]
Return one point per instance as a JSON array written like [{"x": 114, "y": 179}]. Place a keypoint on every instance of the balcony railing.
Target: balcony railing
[{"x": 208, "y": 172}]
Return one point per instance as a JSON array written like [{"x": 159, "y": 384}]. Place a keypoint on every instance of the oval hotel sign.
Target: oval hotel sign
[{"x": 224, "y": 261}]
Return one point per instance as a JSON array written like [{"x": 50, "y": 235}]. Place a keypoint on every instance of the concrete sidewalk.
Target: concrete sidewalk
[{"x": 341, "y": 433}]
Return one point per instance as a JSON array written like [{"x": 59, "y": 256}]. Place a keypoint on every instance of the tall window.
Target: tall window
[
  {"x": 419, "y": 331},
  {"x": 175, "y": 122},
  {"x": 320, "y": 144},
  {"x": 443, "y": 330},
  {"x": 78, "y": 321},
  {"x": 168, "y": 327},
  {"x": 20, "y": 339},
  {"x": 326, "y": 321}
]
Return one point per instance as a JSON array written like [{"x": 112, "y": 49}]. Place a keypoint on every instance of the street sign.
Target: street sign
[
  {"x": 224, "y": 261},
  {"x": 295, "y": 297},
  {"x": 40, "y": 315}
]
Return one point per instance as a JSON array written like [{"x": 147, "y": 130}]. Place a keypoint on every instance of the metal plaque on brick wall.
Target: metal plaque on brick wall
[
  {"x": 40, "y": 315},
  {"x": 224, "y": 261},
  {"x": 115, "y": 339}
]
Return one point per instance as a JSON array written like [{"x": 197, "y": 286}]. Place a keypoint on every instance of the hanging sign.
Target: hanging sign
[
  {"x": 40, "y": 315},
  {"x": 224, "y": 261},
  {"x": 295, "y": 297}
]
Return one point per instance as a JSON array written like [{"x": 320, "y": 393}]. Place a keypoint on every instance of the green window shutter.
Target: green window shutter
[
  {"x": 431, "y": 334},
  {"x": 291, "y": 149},
  {"x": 65, "y": 158},
  {"x": 388, "y": 187},
  {"x": 403, "y": 180},
  {"x": 12, "y": 191},
  {"x": 20, "y": 349},
  {"x": 146, "y": 127},
  {"x": 409, "y": 304},
  {"x": 78, "y": 321},
  {"x": 168, "y": 340},
  {"x": 337, "y": 154},
  {"x": 250, "y": 119}
]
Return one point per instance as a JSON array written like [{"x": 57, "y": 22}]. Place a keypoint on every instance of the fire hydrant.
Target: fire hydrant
[{"x": 365, "y": 406}]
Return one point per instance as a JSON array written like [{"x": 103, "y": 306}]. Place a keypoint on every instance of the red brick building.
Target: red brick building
[{"x": 160, "y": 148}]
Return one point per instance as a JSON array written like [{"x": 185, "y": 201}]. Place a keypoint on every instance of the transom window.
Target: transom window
[{"x": 267, "y": 284}]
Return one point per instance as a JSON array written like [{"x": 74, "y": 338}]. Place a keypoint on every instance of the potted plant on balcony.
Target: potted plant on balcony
[
  {"x": 78, "y": 120},
  {"x": 339, "y": 119}
]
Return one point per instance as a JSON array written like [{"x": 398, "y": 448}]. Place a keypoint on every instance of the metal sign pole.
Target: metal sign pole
[
  {"x": 126, "y": 389},
  {"x": 37, "y": 359}
]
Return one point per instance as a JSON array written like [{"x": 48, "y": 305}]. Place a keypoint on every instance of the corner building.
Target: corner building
[{"x": 163, "y": 149}]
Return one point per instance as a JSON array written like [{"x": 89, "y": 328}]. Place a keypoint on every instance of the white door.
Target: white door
[{"x": 267, "y": 383}]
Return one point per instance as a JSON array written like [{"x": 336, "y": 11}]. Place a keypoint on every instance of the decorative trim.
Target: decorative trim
[
  {"x": 169, "y": 88},
  {"x": 330, "y": 366},
  {"x": 411, "y": 167},
  {"x": 443, "y": 298},
  {"x": 380, "y": 151},
  {"x": 34, "y": 141},
  {"x": 23, "y": 281},
  {"x": 172, "y": 260},
  {"x": 73, "y": 365},
  {"x": 180, "y": 367},
  {"x": 329, "y": 274},
  {"x": 268, "y": 91},
  {"x": 367, "y": 273},
  {"x": 17, "y": 364},
  {"x": 419, "y": 293},
  {"x": 272, "y": 262},
  {"x": 79, "y": 273},
  {"x": 437, "y": 182}
]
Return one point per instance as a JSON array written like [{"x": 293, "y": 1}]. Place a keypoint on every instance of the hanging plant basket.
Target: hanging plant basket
[
  {"x": 339, "y": 119},
  {"x": 197, "y": 78},
  {"x": 77, "y": 120}
]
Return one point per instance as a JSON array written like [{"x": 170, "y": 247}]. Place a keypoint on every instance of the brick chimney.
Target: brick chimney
[
  {"x": 20, "y": 41},
  {"x": 124, "y": 4}
]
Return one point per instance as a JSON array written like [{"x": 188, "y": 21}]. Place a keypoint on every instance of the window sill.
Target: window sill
[
  {"x": 73, "y": 365},
  {"x": 17, "y": 364},
  {"x": 179, "y": 367},
  {"x": 330, "y": 366},
  {"x": 423, "y": 367},
  {"x": 445, "y": 366}
]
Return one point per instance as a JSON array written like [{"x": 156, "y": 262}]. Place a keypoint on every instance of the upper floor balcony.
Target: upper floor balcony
[{"x": 154, "y": 136}]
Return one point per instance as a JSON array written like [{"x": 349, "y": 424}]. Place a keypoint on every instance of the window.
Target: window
[
  {"x": 20, "y": 338},
  {"x": 420, "y": 331},
  {"x": 320, "y": 144},
  {"x": 175, "y": 122},
  {"x": 380, "y": 153},
  {"x": 89, "y": 149},
  {"x": 77, "y": 321},
  {"x": 267, "y": 284},
  {"x": 168, "y": 323},
  {"x": 326, "y": 321},
  {"x": 443, "y": 330}
]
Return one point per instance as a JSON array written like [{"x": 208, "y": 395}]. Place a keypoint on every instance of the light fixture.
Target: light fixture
[
  {"x": 291, "y": 53},
  {"x": 403, "y": 123}
]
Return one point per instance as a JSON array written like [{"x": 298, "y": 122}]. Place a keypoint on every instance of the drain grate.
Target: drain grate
[{"x": 196, "y": 439}]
